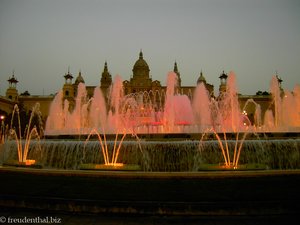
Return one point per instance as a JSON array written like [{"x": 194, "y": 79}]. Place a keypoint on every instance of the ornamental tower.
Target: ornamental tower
[
  {"x": 175, "y": 70},
  {"x": 68, "y": 89},
  {"x": 12, "y": 92},
  {"x": 106, "y": 79},
  {"x": 223, "y": 79}
]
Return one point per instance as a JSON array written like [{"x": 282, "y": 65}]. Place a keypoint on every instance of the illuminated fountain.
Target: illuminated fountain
[
  {"x": 230, "y": 162},
  {"x": 286, "y": 116},
  {"x": 110, "y": 156},
  {"x": 171, "y": 113},
  {"x": 155, "y": 117},
  {"x": 138, "y": 112},
  {"x": 30, "y": 133}
]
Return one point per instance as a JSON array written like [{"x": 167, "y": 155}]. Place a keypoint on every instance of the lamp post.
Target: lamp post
[{"x": 2, "y": 130}]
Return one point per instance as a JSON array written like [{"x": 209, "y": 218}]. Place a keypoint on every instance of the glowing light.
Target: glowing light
[
  {"x": 109, "y": 160},
  {"x": 29, "y": 162},
  {"x": 29, "y": 134},
  {"x": 231, "y": 163}
]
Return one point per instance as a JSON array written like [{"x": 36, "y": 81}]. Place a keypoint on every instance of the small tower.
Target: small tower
[
  {"x": 201, "y": 79},
  {"x": 79, "y": 79},
  {"x": 175, "y": 70},
  {"x": 12, "y": 92},
  {"x": 280, "y": 84},
  {"x": 68, "y": 88},
  {"x": 209, "y": 87},
  {"x": 106, "y": 79},
  {"x": 223, "y": 78}
]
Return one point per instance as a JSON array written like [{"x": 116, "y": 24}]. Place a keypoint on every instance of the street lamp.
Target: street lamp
[{"x": 2, "y": 130}]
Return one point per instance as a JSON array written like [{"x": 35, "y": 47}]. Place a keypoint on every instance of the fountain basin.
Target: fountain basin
[
  {"x": 184, "y": 136},
  {"x": 29, "y": 163},
  {"x": 240, "y": 167},
  {"x": 110, "y": 167}
]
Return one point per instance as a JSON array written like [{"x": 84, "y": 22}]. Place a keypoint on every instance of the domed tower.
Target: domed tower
[
  {"x": 106, "y": 79},
  {"x": 209, "y": 87},
  {"x": 141, "y": 69},
  {"x": 12, "y": 92},
  {"x": 201, "y": 79},
  {"x": 79, "y": 79},
  {"x": 223, "y": 78},
  {"x": 141, "y": 80}
]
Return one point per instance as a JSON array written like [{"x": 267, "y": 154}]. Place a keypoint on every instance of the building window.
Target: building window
[{"x": 67, "y": 93}]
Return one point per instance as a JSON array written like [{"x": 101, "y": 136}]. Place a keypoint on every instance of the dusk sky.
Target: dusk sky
[{"x": 39, "y": 39}]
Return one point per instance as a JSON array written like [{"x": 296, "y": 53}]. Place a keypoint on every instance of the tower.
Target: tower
[
  {"x": 175, "y": 70},
  {"x": 140, "y": 80},
  {"x": 141, "y": 69},
  {"x": 68, "y": 89},
  {"x": 223, "y": 79},
  {"x": 201, "y": 79},
  {"x": 209, "y": 87},
  {"x": 79, "y": 79},
  {"x": 280, "y": 84},
  {"x": 106, "y": 79},
  {"x": 12, "y": 92}
]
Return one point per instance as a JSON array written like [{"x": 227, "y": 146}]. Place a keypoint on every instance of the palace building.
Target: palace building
[{"x": 140, "y": 81}]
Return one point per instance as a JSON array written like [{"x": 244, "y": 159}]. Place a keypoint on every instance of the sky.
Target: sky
[{"x": 40, "y": 39}]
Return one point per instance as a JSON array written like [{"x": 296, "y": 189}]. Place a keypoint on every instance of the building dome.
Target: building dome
[
  {"x": 201, "y": 79},
  {"x": 141, "y": 67},
  {"x": 79, "y": 79}
]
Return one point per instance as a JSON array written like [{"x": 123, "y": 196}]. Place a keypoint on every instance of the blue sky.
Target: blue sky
[{"x": 39, "y": 39}]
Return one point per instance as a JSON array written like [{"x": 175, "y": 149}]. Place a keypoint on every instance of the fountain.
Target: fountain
[
  {"x": 31, "y": 132},
  {"x": 231, "y": 162},
  {"x": 286, "y": 106},
  {"x": 153, "y": 118},
  {"x": 169, "y": 133},
  {"x": 110, "y": 160}
]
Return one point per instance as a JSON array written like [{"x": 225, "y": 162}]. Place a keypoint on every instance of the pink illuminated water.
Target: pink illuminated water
[
  {"x": 202, "y": 107},
  {"x": 286, "y": 104},
  {"x": 170, "y": 112},
  {"x": 177, "y": 109}
]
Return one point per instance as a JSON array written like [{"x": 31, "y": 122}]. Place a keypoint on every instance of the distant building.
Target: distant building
[
  {"x": 140, "y": 81},
  {"x": 25, "y": 100}
]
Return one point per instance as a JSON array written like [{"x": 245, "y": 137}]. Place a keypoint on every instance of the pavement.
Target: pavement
[{"x": 133, "y": 197}]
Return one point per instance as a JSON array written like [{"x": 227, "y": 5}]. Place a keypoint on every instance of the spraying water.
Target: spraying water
[
  {"x": 171, "y": 112},
  {"x": 30, "y": 132}
]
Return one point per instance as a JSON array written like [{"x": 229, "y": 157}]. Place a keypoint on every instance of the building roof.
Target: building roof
[
  {"x": 140, "y": 65},
  {"x": 223, "y": 75},
  {"x": 12, "y": 79},
  {"x": 201, "y": 78},
  {"x": 79, "y": 79}
]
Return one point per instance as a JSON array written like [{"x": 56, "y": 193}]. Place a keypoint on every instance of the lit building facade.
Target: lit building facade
[{"x": 140, "y": 81}]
